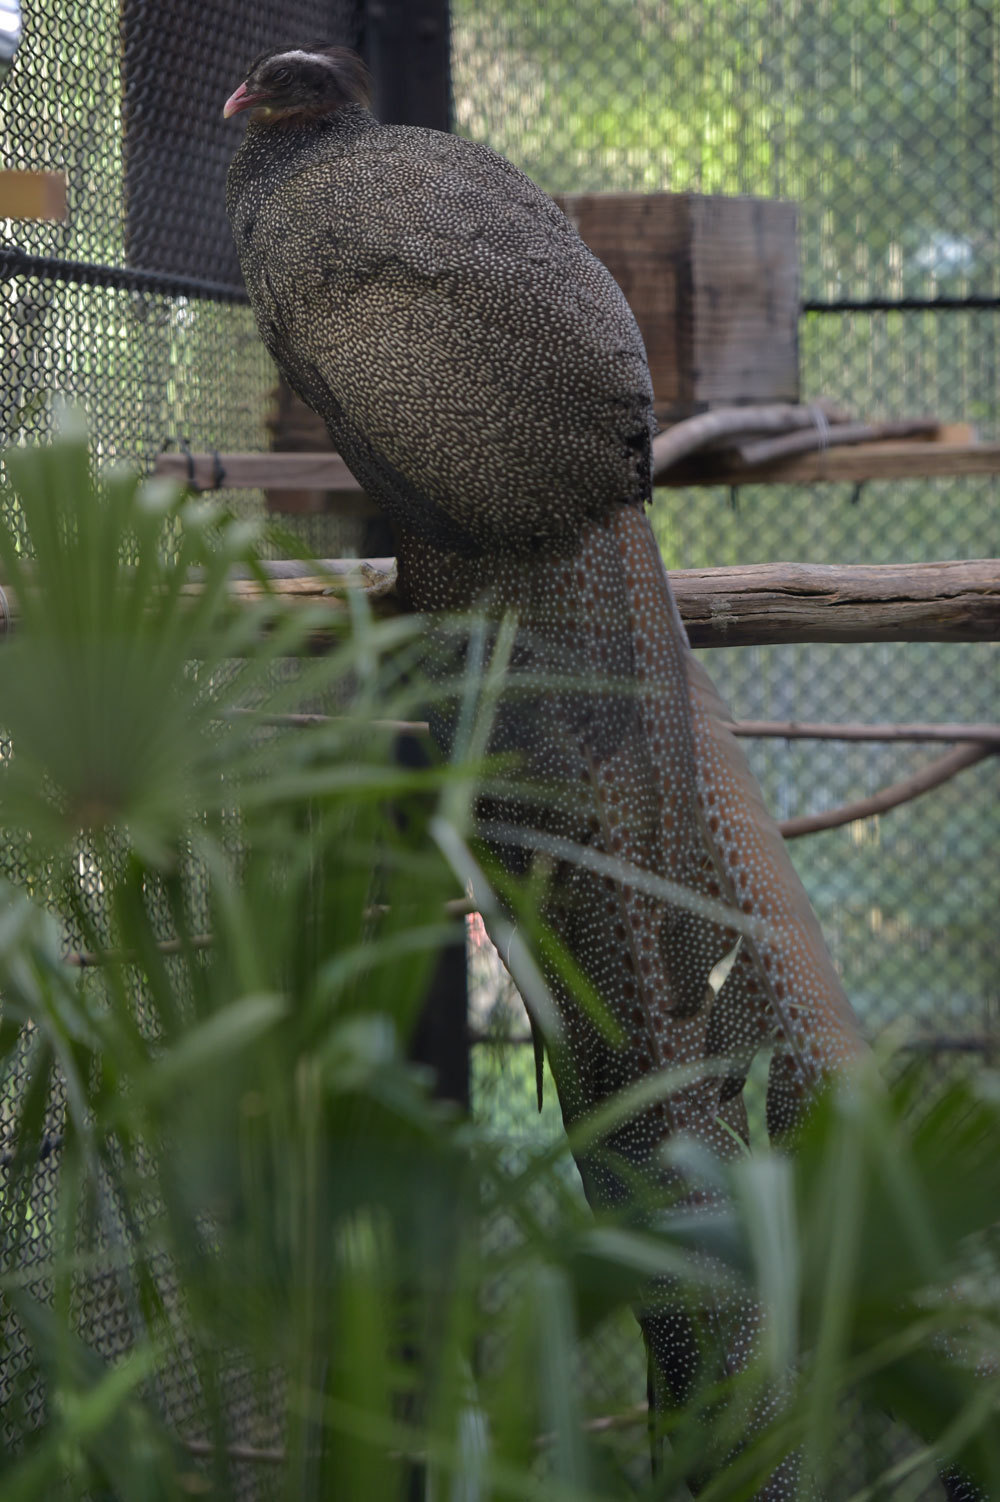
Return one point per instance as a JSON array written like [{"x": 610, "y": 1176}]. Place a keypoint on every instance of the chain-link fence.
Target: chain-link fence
[
  {"x": 881, "y": 120},
  {"x": 132, "y": 307}
]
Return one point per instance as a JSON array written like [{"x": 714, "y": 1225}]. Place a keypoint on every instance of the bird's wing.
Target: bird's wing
[{"x": 438, "y": 326}]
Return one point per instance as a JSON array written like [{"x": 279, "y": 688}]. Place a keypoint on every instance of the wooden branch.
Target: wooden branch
[
  {"x": 800, "y": 602},
  {"x": 952, "y": 1043},
  {"x": 817, "y": 438},
  {"x": 793, "y": 730},
  {"x": 306, "y": 721},
  {"x": 930, "y": 1043},
  {"x": 804, "y": 730},
  {"x": 725, "y": 424},
  {"x": 760, "y": 604},
  {"x": 771, "y": 602},
  {"x": 984, "y": 739},
  {"x": 932, "y": 776},
  {"x": 235, "y": 1451}
]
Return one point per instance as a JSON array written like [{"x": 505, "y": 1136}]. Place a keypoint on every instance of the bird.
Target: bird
[{"x": 482, "y": 375}]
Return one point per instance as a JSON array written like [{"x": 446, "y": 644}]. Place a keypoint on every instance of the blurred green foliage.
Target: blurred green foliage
[{"x": 252, "y": 1174}]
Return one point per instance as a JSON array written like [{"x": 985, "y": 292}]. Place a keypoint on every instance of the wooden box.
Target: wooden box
[{"x": 714, "y": 285}]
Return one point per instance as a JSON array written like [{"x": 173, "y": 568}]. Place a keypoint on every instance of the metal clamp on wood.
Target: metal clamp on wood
[{"x": 218, "y": 469}]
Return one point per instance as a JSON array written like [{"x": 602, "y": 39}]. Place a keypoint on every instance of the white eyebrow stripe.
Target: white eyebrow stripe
[{"x": 297, "y": 55}]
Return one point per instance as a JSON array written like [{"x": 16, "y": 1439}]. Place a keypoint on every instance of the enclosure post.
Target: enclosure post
[
  {"x": 441, "y": 1036},
  {"x": 407, "y": 45}
]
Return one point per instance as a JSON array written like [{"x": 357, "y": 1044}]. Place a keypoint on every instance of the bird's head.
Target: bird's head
[{"x": 293, "y": 83}]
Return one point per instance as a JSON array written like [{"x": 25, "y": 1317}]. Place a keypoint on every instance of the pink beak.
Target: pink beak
[{"x": 241, "y": 100}]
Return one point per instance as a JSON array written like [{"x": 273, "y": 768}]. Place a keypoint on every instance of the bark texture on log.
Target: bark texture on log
[
  {"x": 800, "y": 602},
  {"x": 759, "y": 604}
]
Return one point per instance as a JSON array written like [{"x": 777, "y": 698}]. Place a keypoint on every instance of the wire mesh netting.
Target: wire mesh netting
[
  {"x": 133, "y": 308},
  {"x": 881, "y": 120},
  {"x": 133, "y": 305}
]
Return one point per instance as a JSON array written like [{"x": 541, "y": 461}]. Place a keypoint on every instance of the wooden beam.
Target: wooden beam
[
  {"x": 32, "y": 195},
  {"x": 784, "y": 602},
  {"x": 769, "y": 603},
  {"x": 320, "y": 471},
  {"x": 905, "y": 459},
  {"x": 763, "y": 603}
]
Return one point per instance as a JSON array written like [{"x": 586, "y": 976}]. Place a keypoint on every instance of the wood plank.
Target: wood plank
[
  {"x": 909, "y": 459},
  {"x": 905, "y": 459},
  {"x": 713, "y": 284},
  {"x": 32, "y": 195},
  {"x": 310, "y": 472}
]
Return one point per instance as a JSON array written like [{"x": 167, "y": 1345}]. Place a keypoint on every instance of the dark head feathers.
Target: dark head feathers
[{"x": 290, "y": 82}]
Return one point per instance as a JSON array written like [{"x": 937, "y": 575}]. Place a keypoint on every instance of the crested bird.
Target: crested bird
[{"x": 484, "y": 378}]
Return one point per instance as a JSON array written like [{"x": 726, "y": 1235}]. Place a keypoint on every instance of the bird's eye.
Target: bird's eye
[{"x": 281, "y": 76}]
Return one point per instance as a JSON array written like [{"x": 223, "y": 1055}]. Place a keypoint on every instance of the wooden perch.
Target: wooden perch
[
  {"x": 761, "y": 603},
  {"x": 721, "y": 607},
  {"x": 819, "y": 439},
  {"x": 940, "y": 770},
  {"x": 800, "y": 602},
  {"x": 788, "y": 730},
  {"x": 824, "y": 730},
  {"x": 902, "y": 459},
  {"x": 725, "y": 426},
  {"x": 790, "y": 429},
  {"x": 942, "y": 450}
]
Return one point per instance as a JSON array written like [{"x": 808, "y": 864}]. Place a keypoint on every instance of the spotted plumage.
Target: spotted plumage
[
  {"x": 388, "y": 252},
  {"x": 484, "y": 378}
]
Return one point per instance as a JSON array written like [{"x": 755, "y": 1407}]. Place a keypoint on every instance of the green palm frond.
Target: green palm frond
[{"x": 255, "y": 1177}]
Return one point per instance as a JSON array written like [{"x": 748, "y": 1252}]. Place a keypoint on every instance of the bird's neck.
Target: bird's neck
[
  {"x": 293, "y": 133},
  {"x": 271, "y": 153}
]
